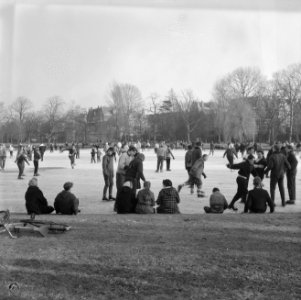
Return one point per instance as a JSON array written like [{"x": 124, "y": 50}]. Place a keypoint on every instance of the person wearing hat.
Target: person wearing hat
[
  {"x": 108, "y": 173},
  {"x": 278, "y": 164},
  {"x": 66, "y": 202},
  {"x": 260, "y": 164},
  {"x": 291, "y": 175},
  {"x": 258, "y": 199},
  {"x": 35, "y": 201},
  {"x": 245, "y": 169}
]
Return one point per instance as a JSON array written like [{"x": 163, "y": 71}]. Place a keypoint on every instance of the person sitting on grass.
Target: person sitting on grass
[
  {"x": 258, "y": 198},
  {"x": 145, "y": 200},
  {"x": 125, "y": 200},
  {"x": 168, "y": 199},
  {"x": 65, "y": 202},
  {"x": 218, "y": 202},
  {"x": 35, "y": 201}
]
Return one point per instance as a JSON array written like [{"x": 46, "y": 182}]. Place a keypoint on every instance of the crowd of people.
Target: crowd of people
[{"x": 281, "y": 161}]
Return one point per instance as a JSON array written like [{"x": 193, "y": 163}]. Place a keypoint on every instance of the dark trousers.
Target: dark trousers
[
  {"x": 108, "y": 184},
  {"x": 120, "y": 179},
  {"x": 230, "y": 159},
  {"x": 168, "y": 163},
  {"x": 273, "y": 182},
  {"x": 36, "y": 167},
  {"x": 291, "y": 184},
  {"x": 160, "y": 160},
  {"x": 21, "y": 166},
  {"x": 242, "y": 190}
]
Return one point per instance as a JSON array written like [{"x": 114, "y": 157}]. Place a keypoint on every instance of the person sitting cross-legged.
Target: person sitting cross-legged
[
  {"x": 65, "y": 202},
  {"x": 258, "y": 198},
  {"x": 168, "y": 199},
  {"x": 145, "y": 200},
  {"x": 218, "y": 202}
]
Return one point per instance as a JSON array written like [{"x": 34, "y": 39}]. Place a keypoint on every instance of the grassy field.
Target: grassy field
[
  {"x": 231, "y": 256},
  {"x": 187, "y": 256}
]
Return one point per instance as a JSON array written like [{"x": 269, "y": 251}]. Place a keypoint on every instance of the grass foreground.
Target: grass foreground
[{"x": 231, "y": 256}]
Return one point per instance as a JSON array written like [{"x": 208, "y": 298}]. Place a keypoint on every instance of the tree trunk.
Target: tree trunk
[{"x": 291, "y": 121}]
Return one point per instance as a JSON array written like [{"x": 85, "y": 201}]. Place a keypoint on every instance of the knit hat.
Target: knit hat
[{"x": 68, "y": 185}]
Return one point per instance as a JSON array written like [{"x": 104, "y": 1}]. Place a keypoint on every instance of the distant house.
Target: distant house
[{"x": 97, "y": 123}]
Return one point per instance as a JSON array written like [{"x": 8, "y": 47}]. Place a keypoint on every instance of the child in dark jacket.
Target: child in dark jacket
[
  {"x": 125, "y": 199},
  {"x": 168, "y": 199}
]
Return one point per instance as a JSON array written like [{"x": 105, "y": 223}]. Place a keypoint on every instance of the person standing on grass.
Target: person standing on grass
[
  {"x": 145, "y": 200},
  {"x": 108, "y": 174},
  {"x": 258, "y": 198},
  {"x": 277, "y": 164},
  {"x": 230, "y": 152},
  {"x": 260, "y": 164},
  {"x": 245, "y": 169},
  {"x": 20, "y": 161},
  {"x": 126, "y": 156},
  {"x": 168, "y": 199},
  {"x": 195, "y": 176},
  {"x": 35, "y": 201},
  {"x": 218, "y": 202},
  {"x": 168, "y": 157},
  {"x": 2, "y": 156},
  {"x": 36, "y": 158},
  {"x": 66, "y": 202},
  {"x": 291, "y": 175}
]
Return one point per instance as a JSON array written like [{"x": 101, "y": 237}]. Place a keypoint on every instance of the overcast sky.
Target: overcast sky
[{"x": 76, "y": 51}]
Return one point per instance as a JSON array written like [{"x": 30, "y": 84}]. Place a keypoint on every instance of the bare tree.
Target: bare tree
[
  {"x": 154, "y": 109},
  {"x": 288, "y": 88},
  {"x": 53, "y": 113},
  {"x": 20, "y": 107},
  {"x": 188, "y": 108},
  {"x": 240, "y": 123},
  {"x": 125, "y": 100}
]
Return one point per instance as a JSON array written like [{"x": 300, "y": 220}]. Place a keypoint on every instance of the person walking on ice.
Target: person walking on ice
[{"x": 195, "y": 176}]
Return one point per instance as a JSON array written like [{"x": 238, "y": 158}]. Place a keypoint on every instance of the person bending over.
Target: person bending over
[
  {"x": 218, "y": 202},
  {"x": 35, "y": 201},
  {"x": 65, "y": 202},
  {"x": 168, "y": 199},
  {"x": 258, "y": 198}
]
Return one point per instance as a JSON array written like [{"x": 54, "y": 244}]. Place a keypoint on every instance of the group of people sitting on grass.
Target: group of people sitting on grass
[
  {"x": 65, "y": 202},
  {"x": 144, "y": 203}
]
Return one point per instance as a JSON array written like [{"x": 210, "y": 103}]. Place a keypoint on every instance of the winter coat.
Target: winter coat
[{"x": 168, "y": 200}]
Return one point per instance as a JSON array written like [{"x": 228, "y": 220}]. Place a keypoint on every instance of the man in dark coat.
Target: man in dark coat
[
  {"x": 65, "y": 202},
  {"x": 258, "y": 198},
  {"x": 260, "y": 164},
  {"x": 291, "y": 175},
  {"x": 277, "y": 164},
  {"x": 196, "y": 153},
  {"x": 35, "y": 201},
  {"x": 135, "y": 171}
]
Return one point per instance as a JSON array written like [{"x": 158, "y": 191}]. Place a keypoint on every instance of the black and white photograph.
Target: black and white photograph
[{"x": 150, "y": 149}]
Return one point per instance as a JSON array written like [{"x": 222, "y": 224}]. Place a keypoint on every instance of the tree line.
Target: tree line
[{"x": 245, "y": 106}]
